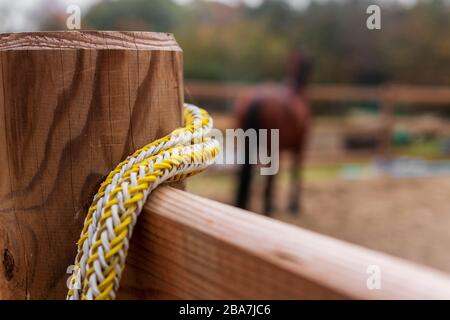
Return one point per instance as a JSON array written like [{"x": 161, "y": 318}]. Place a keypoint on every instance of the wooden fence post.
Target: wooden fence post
[
  {"x": 72, "y": 105},
  {"x": 388, "y": 122}
]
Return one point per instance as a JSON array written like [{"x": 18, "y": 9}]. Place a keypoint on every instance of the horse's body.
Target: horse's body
[
  {"x": 278, "y": 108},
  {"x": 282, "y": 107}
]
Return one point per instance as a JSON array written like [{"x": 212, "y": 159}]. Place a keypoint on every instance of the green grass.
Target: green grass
[{"x": 427, "y": 150}]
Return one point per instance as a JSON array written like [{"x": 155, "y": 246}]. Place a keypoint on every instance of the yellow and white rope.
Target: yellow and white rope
[{"x": 104, "y": 240}]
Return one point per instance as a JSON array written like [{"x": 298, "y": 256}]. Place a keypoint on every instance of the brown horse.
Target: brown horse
[{"x": 282, "y": 107}]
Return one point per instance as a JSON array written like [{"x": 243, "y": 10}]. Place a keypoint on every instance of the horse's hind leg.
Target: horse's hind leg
[
  {"x": 245, "y": 178},
  {"x": 251, "y": 121},
  {"x": 294, "y": 201},
  {"x": 268, "y": 195}
]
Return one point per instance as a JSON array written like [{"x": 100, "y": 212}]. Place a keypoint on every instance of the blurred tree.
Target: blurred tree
[
  {"x": 278, "y": 14},
  {"x": 417, "y": 47},
  {"x": 243, "y": 43},
  {"x": 155, "y": 15},
  {"x": 220, "y": 44}
]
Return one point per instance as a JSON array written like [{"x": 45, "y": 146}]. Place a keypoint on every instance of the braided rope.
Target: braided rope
[{"x": 108, "y": 226}]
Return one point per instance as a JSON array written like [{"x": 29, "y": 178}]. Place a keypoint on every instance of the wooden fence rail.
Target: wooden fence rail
[
  {"x": 189, "y": 247},
  {"x": 422, "y": 95}
]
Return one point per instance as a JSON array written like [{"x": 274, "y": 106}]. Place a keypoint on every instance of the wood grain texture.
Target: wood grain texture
[
  {"x": 97, "y": 40},
  {"x": 72, "y": 106},
  {"x": 192, "y": 248}
]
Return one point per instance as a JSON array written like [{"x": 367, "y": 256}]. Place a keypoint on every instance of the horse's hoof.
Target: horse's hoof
[
  {"x": 294, "y": 209},
  {"x": 268, "y": 211}
]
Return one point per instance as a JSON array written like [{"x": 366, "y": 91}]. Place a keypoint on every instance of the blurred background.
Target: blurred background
[{"x": 377, "y": 159}]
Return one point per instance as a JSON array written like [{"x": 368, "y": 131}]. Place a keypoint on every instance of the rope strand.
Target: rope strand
[{"x": 109, "y": 223}]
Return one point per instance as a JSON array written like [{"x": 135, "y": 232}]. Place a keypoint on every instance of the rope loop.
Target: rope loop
[{"x": 109, "y": 223}]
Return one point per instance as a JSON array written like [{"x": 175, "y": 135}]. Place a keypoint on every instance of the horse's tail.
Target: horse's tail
[{"x": 251, "y": 121}]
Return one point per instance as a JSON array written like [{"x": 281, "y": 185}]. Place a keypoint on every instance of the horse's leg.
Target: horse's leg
[
  {"x": 251, "y": 121},
  {"x": 268, "y": 195},
  {"x": 294, "y": 202},
  {"x": 245, "y": 178}
]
